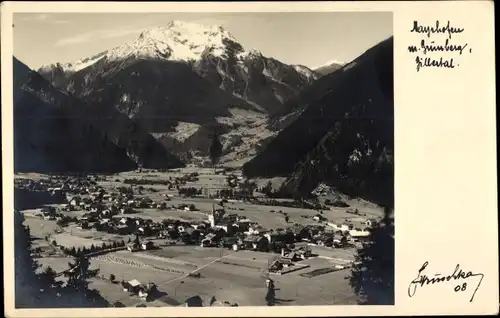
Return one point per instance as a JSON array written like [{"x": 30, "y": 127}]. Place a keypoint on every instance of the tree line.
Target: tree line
[
  {"x": 76, "y": 252},
  {"x": 45, "y": 290}
]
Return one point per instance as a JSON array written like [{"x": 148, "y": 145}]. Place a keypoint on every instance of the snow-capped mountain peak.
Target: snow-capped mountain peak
[
  {"x": 208, "y": 55},
  {"x": 178, "y": 40}
]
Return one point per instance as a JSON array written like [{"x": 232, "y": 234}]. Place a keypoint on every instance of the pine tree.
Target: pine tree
[
  {"x": 79, "y": 273},
  {"x": 372, "y": 275},
  {"x": 215, "y": 149},
  {"x": 48, "y": 277},
  {"x": 26, "y": 257}
]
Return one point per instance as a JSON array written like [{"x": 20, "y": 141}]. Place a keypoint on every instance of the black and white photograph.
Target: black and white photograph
[{"x": 203, "y": 159}]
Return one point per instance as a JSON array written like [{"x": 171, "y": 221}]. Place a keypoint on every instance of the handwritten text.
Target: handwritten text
[
  {"x": 458, "y": 275},
  {"x": 435, "y": 52}
]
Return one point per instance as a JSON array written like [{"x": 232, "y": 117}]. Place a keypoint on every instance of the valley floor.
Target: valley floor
[{"x": 233, "y": 276}]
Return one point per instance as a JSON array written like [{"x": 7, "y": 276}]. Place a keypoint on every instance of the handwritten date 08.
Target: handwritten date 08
[{"x": 458, "y": 274}]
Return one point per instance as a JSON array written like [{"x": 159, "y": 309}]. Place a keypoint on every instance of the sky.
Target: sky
[{"x": 310, "y": 39}]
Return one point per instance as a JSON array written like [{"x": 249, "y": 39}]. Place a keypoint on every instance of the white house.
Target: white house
[
  {"x": 147, "y": 245},
  {"x": 335, "y": 226},
  {"x": 74, "y": 201},
  {"x": 268, "y": 236},
  {"x": 208, "y": 240},
  {"x": 221, "y": 226},
  {"x": 142, "y": 294}
]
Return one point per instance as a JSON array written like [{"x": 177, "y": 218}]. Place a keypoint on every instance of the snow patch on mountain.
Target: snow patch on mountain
[
  {"x": 78, "y": 65},
  {"x": 257, "y": 106},
  {"x": 305, "y": 71},
  {"x": 125, "y": 98},
  {"x": 348, "y": 66},
  {"x": 329, "y": 63}
]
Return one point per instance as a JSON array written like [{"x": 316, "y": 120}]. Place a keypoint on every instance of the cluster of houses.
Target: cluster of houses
[
  {"x": 32, "y": 185},
  {"x": 219, "y": 230},
  {"x": 44, "y": 190},
  {"x": 288, "y": 257},
  {"x": 113, "y": 213}
]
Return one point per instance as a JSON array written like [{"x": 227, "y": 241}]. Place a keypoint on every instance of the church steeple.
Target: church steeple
[{"x": 211, "y": 217}]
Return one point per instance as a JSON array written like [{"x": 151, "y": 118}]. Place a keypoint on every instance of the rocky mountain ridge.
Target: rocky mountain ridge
[
  {"x": 56, "y": 132},
  {"x": 342, "y": 132},
  {"x": 181, "y": 75}
]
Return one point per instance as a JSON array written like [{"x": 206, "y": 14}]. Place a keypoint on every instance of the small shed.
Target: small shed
[{"x": 149, "y": 245}]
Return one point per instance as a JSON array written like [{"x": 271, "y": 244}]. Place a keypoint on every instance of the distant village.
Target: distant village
[{"x": 115, "y": 211}]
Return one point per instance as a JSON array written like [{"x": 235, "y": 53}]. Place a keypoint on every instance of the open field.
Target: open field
[
  {"x": 226, "y": 275},
  {"x": 229, "y": 276},
  {"x": 237, "y": 277}
]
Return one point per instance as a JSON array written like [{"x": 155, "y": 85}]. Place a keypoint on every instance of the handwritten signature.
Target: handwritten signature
[{"x": 458, "y": 274}]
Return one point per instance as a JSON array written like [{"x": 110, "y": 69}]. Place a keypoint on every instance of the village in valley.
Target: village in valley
[
  {"x": 181, "y": 166},
  {"x": 195, "y": 237}
]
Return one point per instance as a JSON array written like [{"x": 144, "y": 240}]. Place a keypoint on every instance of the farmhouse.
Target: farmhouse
[
  {"x": 279, "y": 264},
  {"x": 209, "y": 240},
  {"x": 230, "y": 241},
  {"x": 161, "y": 205},
  {"x": 255, "y": 229},
  {"x": 132, "y": 286},
  {"x": 256, "y": 243}
]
